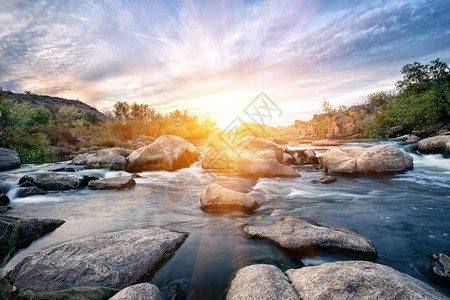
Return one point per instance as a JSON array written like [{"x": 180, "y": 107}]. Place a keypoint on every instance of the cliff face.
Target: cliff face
[{"x": 53, "y": 103}]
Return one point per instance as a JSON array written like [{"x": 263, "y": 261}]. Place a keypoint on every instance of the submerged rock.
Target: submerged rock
[
  {"x": 64, "y": 169},
  {"x": 265, "y": 282},
  {"x": 9, "y": 159},
  {"x": 17, "y": 233},
  {"x": 23, "y": 192},
  {"x": 56, "y": 182},
  {"x": 439, "y": 267},
  {"x": 300, "y": 235},
  {"x": 377, "y": 159},
  {"x": 168, "y": 152},
  {"x": 325, "y": 180},
  {"x": 216, "y": 196},
  {"x": 435, "y": 144},
  {"x": 115, "y": 260},
  {"x": 141, "y": 291},
  {"x": 358, "y": 280},
  {"x": 4, "y": 199},
  {"x": 114, "y": 183}
]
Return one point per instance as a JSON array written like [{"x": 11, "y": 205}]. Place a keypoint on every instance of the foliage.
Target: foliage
[{"x": 67, "y": 114}]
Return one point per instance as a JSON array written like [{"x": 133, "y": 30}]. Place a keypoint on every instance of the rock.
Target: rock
[
  {"x": 300, "y": 235},
  {"x": 307, "y": 156},
  {"x": 9, "y": 159},
  {"x": 168, "y": 152},
  {"x": 64, "y": 169},
  {"x": 216, "y": 196},
  {"x": 288, "y": 159},
  {"x": 141, "y": 291},
  {"x": 259, "y": 144},
  {"x": 4, "y": 199},
  {"x": 358, "y": 280},
  {"x": 114, "y": 183},
  {"x": 342, "y": 127},
  {"x": 265, "y": 282},
  {"x": 96, "y": 148},
  {"x": 435, "y": 144},
  {"x": 398, "y": 131},
  {"x": 61, "y": 151},
  {"x": 407, "y": 138},
  {"x": 439, "y": 267},
  {"x": 17, "y": 233},
  {"x": 115, "y": 260},
  {"x": 113, "y": 158},
  {"x": 23, "y": 192},
  {"x": 262, "y": 164},
  {"x": 377, "y": 159},
  {"x": 324, "y": 143},
  {"x": 326, "y": 179},
  {"x": 81, "y": 159},
  {"x": 56, "y": 182},
  {"x": 142, "y": 141}
]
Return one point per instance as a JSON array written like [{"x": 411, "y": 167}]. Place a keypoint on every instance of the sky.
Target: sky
[{"x": 214, "y": 57}]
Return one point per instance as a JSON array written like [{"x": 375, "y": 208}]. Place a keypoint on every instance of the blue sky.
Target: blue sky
[{"x": 214, "y": 57}]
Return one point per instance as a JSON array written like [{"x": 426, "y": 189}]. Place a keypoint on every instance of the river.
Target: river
[{"x": 405, "y": 215}]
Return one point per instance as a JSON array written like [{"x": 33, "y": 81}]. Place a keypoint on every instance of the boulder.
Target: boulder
[
  {"x": 435, "y": 144},
  {"x": 17, "y": 233},
  {"x": 439, "y": 267},
  {"x": 265, "y": 282},
  {"x": 358, "y": 280},
  {"x": 64, "y": 169},
  {"x": 141, "y": 291},
  {"x": 9, "y": 159},
  {"x": 259, "y": 144},
  {"x": 168, "y": 152},
  {"x": 325, "y": 180},
  {"x": 56, "y": 182},
  {"x": 115, "y": 260},
  {"x": 4, "y": 199},
  {"x": 300, "y": 235},
  {"x": 114, "y": 183},
  {"x": 142, "y": 141},
  {"x": 113, "y": 158},
  {"x": 61, "y": 151},
  {"x": 399, "y": 131},
  {"x": 306, "y": 156},
  {"x": 384, "y": 158},
  {"x": 262, "y": 164},
  {"x": 324, "y": 143},
  {"x": 216, "y": 196},
  {"x": 342, "y": 127},
  {"x": 23, "y": 192},
  {"x": 288, "y": 159},
  {"x": 407, "y": 139}
]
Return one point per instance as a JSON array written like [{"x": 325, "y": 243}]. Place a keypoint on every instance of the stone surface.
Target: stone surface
[
  {"x": 64, "y": 169},
  {"x": 264, "y": 282},
  {"x": 384, "y": 158},
  {"x": 61, "y": 151},
  {"x": 259, "y": 144},
  {"x": 358, "y": 280},
  {"x": 168, "y": 152},
  {"x": 325, "y": 180},
  {"x": 216, "y": 196},
  {"x": 23, "y": 192},
  {"x": 17, "y": 233},
  {"x": 440, "y": 267},
  {"x": 398, "y": 131},
  {"x": 4, "y": 199},
  {"x": 300, "y": 235},
  {"x": 342, "y": 127},
  {"x": 9, "y": 159},
  {"x": 115, "y": 260},
  {"x": 55, "y": 182},
  {"x": 112, "y": 158},
  {"x": 435, "y": 144},
  {"x": 407, "y": 138},
  {"x": 262, "y": 164},
  {"x": 324, "y": 143},
  {"x": 141, "y": 291},
  {"x": 114, "y": 183}
]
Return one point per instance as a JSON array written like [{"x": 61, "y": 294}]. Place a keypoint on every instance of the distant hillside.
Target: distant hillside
[{"x": 53, "y": 103}]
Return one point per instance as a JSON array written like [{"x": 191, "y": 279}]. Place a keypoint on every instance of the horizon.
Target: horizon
[{"x": 213, "y": 60}]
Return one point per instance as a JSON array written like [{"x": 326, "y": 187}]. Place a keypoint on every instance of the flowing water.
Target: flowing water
[{"x": 405, "y": 215}]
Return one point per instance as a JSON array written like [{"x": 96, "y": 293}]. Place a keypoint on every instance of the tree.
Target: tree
[
  {"x": 121, "y": 110},
  {"x": 67, "y": 114}
]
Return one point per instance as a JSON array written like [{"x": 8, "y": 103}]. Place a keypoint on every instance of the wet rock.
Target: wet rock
[
  {"x": 141, "y": 291},
  {"x": 64, "y": 169},
  {"x": 262, "y": 164},
  {"x": 56, "y": 182},
  {"x": 300, "y": 235},
  {"x": 112, "y": 158},
  {"x": 306, "y": 156},
  {"x": 260, "y": 144},
  {"x": 407, "y": 139},
  {"x": 23, "y": 192},
  {"x": 17, "y": 233},
  {"x": 261, "y": 282},
  {"x": 439, "y": 267},
  {"x": 435, "y": 144},
  {"x": 168, "y": 152},
  {"x": 358, "y": 280},
  {"x": 324, "y": 143},
  {"x": 399, "y": 131},
  {"x": 377, "y": 159},
  {"x": 325, "y": 180},
  {"x": 115, "y": 183},
  {"x": 61, "y": 151},
  {"x": 4, "y": 199},
  {"x": 216, "y": 196},
  {"x": 115, "y": 260},
  {"x": 9, "y": 159}
]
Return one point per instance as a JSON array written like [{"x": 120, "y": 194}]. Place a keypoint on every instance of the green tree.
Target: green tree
[
  {"x": 67, "y": 114},
  {"x": 121, "y": 110}
]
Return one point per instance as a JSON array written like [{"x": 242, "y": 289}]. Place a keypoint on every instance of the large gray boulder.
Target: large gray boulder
[
  {"x": 56, "y": 182},
  {"x": 112, "y": 158},
  {"x": 216, "y": 196},
  {"x": 300, "y": 235},
  {"x": 9, "y": 159},
  {"x": 141, "y": 291},
  {"x": 114, "y": 183},
  {"x": 262, "y": 164},
  {"x": 377, "y": 159},
  {"x": 115, "y": 260},
  {"x": 168, "y": 152},
  {"x": 435, "y": 144},
  {"x": 358, "y": 280},
  {"x": 265, "y": 282}
]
